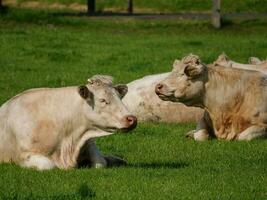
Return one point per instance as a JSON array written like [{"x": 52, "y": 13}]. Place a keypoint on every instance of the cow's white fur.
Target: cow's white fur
[{"x": 47, "y": 128}]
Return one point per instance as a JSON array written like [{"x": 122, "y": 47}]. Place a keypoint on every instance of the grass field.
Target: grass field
[{"x": 38, "y": 49}]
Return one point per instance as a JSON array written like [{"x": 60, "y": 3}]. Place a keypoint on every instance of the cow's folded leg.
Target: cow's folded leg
[
  {"x": 190, "y": 134},
  {"x": 198, "y": 135},
  {"x": 95, "y": 158},
  {"x": 253, "y": 132},
  {"x": 202, "y": 131},
  {"x": 114, "y": 160},
  {"x": 37, "y": 161}
]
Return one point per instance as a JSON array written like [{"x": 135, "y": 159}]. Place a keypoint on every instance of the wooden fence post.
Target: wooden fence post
[
  {"x": 130, "y": 6},
  {"x": 91, "y": 6},
  {"x": 216, "y": 14},
  {"x": 1, "y": 6}
]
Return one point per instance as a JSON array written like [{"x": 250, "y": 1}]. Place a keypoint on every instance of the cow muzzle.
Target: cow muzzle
[
  {"x": 130, "y": 122},
  {"x": 158, "y": 88},
  {"x": 162, "y": 91}
]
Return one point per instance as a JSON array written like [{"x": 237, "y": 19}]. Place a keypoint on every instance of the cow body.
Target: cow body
[
  {"x": 53, "y": 127},
  {"x": 234, "y": 99},
  {"x": 142, "y": 101}
]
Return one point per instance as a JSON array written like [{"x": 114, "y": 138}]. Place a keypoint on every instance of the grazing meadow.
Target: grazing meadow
[{"x": 39, "y": 48}]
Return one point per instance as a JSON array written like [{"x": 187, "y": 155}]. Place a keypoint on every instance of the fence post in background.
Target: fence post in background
[
  {"x": 1, "y": 6},
  {"x": 91, "y": 6},
  {"x": 130, "y": 6},
  {"x": 216, "y": 14}
]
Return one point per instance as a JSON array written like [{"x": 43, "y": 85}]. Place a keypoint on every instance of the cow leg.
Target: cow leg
[
  {"x": 92, "y": 155},
  {"x": 97, "y": 160},
  {"x": 253, "y": 132},
  {"x": 202, "y": 131},
  {"x": 37, "y": 161},
  {"x": 114, "y": 160}
]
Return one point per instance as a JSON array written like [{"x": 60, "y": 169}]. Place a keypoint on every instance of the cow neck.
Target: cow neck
[{"x": 225, "y": 88}]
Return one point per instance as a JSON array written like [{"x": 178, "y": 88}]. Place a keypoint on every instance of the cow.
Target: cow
[
  {"x": 255, "y": 63},
  {"x": 49, "y": 128},
  {"x": 142, "y": 101},
  {"x": 234, "y": 100}
]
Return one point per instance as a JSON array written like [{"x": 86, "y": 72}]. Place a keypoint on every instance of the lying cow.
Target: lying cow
[
  {"x": 234, "y": 99},
  {"x": 142, "y": 101},
  {"x": 54, "y": 127},
  {"x": 255, "y": 64}
]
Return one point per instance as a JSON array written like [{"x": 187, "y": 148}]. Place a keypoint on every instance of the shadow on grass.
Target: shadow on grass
[{"x": 157, "y": 165}]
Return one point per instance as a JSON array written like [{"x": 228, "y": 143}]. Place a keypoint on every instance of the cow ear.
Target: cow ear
[
  {"x": 86, "y": 94},
  {"x": 193, "y": 70},
  {"x": 176, "y": 64},
  {"x": 254, "y": 61},
  {"x": 83, "y": 91},
  {"x": 122, "y": 90},
  {"x": 222, "y": 60}
]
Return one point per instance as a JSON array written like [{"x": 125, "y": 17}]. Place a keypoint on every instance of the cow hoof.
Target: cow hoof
[
  {"x": 114, "y": 161},
  {"x": 190, "y": 134},
  {"x": 98, "y": 165}
]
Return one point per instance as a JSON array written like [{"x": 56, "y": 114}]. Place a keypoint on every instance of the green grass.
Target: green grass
[
  {"x": 38, "y": 49},
  {"x": 174, "y": 5}
]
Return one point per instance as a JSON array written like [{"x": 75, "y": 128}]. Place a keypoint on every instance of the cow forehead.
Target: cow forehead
[{"x": 103, "y": 90}]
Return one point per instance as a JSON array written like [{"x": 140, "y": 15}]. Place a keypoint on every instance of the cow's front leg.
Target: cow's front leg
[
  {"x": 114, "y": 160},
  {"x": 97, "y": 160},
  {"x": 37, "y": 161},
  {"x": 253, "y": 132},
  {"x": 203, "y": 129}
]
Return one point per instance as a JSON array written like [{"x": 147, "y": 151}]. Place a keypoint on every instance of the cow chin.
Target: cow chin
[{"x": 127, "y": 129}]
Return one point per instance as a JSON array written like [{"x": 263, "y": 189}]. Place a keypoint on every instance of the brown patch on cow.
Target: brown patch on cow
[{"x": 228, "y": 126}]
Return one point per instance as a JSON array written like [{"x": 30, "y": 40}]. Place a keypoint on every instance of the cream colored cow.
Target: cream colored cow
[
  {"x": 234, "y": 99},
  {"x": 142, "y": 101},
  {"x": 55, "y": 127},
  {"x": 255, "y": 64}
]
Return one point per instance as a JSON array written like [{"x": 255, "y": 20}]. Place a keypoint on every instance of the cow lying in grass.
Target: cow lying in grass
[
  {"x": 54, "y": 127},
  {"x": 255, "y": 64},
  {"x": 234, "y": 99},
  {"x": 142, "y": 101}
]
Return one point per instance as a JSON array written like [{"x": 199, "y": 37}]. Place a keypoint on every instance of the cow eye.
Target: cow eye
[{"x": 103, "y": 101}]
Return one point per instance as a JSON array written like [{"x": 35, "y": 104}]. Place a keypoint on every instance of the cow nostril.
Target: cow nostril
[
  {"x": 131, "y": 120},
  {"x": 159, "y": 86}
]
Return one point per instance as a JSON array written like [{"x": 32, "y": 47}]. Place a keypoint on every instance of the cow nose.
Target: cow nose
[
  {"x": 158, "y": 88},
  {"x": 131, "y": 121}
]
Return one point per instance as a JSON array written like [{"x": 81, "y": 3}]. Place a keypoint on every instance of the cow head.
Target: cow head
[
  {"x": 185, "y": 83},
  {"x": 103, "y": 107}
]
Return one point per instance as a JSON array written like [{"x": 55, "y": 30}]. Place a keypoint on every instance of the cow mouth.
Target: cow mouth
[
  {"x": 166, "y": 97},
  {"x": 123, "y": 130},
  {"x": 127, "y": 129},
  {"x": 108, "y": 129}
]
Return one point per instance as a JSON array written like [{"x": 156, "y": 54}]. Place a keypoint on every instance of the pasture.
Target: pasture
[{"x": 39, "y": 49}]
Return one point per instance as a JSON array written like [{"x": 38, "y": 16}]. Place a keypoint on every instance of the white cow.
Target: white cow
[
  {"x": 54, "y": 127},
  {"x": 255, "y": 63},
  {"x": 142, "y": 101},
  {"x": 234, "y": 99}
]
